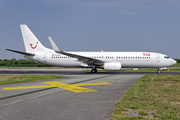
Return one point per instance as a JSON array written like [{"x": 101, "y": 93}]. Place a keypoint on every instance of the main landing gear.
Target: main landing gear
[{"x": 94, "y": 70}]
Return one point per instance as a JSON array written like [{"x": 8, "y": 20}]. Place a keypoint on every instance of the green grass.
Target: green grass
[
  {"x": 176, "y": 65},
  {"x": 159, "y": 94},
  {"x": 9, "y": 79},
  {"x": 142, "y": 113}
]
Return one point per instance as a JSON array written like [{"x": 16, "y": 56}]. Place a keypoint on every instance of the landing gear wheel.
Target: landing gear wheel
[
  {"x": 158, "y": 71},
  {"x": 94, "y": 71}
]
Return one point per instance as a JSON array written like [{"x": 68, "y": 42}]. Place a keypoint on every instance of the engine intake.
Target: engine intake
[{"x": 112, "y": 66}]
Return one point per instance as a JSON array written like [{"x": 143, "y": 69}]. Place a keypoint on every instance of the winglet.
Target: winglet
[{"x": 54, "y": 46}]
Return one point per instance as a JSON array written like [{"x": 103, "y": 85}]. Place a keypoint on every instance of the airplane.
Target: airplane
[{"x": 109, "y": 61}]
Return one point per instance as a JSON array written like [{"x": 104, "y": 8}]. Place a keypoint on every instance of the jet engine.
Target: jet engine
[{"x": 113, "y": 66}]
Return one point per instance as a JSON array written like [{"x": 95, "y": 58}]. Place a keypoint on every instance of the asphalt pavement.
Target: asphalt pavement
[{"x": 61, "y": 102}]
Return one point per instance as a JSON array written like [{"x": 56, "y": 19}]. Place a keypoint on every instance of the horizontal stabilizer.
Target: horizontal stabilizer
[{"x": 23, "y": 53}]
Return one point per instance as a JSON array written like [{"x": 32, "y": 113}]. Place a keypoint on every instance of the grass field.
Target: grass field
[
  {"x": 158, "y": 95},
  {"x": 8, "y": 79}
]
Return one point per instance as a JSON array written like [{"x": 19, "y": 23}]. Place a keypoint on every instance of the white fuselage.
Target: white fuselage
[{"x": 127, "y": 59}]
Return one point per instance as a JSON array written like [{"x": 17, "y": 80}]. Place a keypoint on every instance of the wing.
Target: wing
[{"x": 87, "y": 60}]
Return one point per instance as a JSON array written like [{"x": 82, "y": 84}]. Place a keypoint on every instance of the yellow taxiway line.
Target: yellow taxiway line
[{"x": 71, "y": 87}]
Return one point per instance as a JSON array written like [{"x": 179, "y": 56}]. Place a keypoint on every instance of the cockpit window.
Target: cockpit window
[{"x": 166, "y": 57}]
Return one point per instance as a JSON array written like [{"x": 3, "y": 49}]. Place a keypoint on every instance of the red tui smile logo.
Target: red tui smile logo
[{"x": 32, "y": 46}]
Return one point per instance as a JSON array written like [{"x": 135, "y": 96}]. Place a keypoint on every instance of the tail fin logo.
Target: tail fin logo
[{"x": 32, "y": 46}]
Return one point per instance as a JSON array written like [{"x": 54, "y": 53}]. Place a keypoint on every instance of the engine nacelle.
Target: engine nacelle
[{"x": 114, "y": 66}]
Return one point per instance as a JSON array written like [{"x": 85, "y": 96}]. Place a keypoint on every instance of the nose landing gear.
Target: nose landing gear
[{"x": 158, "y": 71}]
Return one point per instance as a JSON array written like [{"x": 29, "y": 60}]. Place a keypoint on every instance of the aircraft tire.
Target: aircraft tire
[
  {"x": 94, "y": 71},
  {"x": 158, "y": 71}
]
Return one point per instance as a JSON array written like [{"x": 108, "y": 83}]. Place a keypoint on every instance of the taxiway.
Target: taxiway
[
  {"x": 60, "y": 101},
  {"x": 61, "y": 104}
]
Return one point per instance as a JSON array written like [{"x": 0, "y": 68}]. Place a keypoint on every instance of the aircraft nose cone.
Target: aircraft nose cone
[{"x": 173, "y": 62}]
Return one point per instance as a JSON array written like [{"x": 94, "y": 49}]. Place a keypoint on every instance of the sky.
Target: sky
[{"x": 93, "y": 25}]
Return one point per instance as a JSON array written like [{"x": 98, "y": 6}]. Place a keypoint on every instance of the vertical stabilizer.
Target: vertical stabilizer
[{"x": 32, "y": 44}]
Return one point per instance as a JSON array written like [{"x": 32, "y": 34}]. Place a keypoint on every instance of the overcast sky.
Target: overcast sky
[{"x": 93, "y": 25}]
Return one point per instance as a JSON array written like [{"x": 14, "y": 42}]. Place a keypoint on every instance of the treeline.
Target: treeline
[
  {"x": 178, "y": 60},
  {"x": 21, "y": 63}
]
